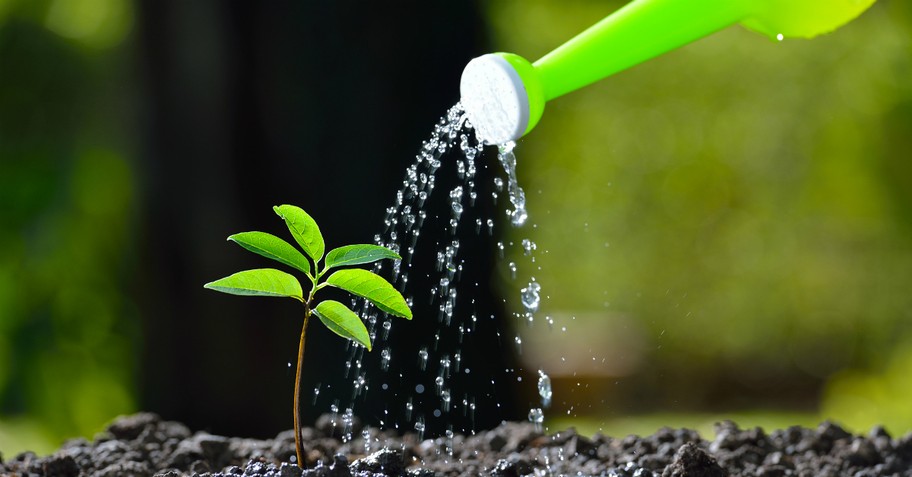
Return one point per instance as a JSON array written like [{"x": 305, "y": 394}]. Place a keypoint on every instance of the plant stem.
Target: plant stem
[{"x": 297, "y": 391}]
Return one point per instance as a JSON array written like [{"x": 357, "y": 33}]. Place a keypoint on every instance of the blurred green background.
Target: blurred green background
[
  {"x": 68, "y": 327},
  {"x": 726, "y": 231}
]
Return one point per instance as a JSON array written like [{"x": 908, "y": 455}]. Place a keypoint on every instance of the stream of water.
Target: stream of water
[{"x": 442, "y": 386}]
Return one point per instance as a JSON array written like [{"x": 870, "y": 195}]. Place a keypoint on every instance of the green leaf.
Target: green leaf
[
  {"x": 372, "y": 287},
  {"x": 270, "y": 246},
  {"x": 304, "y": 230},
  {"x": 358, "y": 255},
  {"x": 343, "y": 322},
  {"x": 259, "y": 282}
]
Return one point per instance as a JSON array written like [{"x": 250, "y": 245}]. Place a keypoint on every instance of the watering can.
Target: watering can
[{"x": 504, "y": 95}]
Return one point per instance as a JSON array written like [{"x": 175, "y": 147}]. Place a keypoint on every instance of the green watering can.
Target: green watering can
[{"x": 504, "y": 95}]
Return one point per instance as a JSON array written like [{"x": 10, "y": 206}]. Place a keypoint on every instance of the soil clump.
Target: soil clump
[{"x": 144, "y": 445}]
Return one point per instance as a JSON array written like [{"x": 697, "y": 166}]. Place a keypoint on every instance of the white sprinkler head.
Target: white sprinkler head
[{"x": 494, "y": 99}]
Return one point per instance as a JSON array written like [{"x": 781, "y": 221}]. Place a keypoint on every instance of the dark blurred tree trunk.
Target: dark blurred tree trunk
[{"x": 252, "y": 104}]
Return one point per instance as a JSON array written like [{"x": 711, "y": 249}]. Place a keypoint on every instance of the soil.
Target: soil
[{"x": 144, "y": 445}]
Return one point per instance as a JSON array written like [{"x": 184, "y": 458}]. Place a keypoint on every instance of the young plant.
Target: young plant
[{"x": 336, "y": 316}]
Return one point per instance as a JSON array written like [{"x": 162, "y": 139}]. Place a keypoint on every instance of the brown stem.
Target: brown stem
[{"x": 297, "y": 391}]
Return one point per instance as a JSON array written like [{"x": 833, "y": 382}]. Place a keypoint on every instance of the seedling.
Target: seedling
[{"x": 336, "y": 316}]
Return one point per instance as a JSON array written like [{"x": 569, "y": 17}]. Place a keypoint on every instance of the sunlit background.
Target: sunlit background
[{"x": 725, "y": 231}]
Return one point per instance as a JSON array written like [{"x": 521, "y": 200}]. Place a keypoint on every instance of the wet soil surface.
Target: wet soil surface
[{"x": 143, "y": 445}]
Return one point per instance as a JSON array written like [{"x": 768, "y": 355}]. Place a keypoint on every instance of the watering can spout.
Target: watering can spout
[{"x": 504, "y": 95}]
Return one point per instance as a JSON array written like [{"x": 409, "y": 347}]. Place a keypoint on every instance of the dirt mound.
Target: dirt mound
[{"x": 143, "y": 445}]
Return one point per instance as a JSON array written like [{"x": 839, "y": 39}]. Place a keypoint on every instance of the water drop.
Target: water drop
[
  {"x": 519, "y": 217},
  {"x": 449, "y": 441},
  {"x": 544, "y": 388},
  {"x": 512, "y": 267},
  {"x": 419, "y": 427},
  {"x": 365, "y": 434},
  {"x": 530, "y": 297},
  {"x": 445, "y": 399},
  {"x": 385, "y": 359},
  {"x": 536, "y": 416},
  {"x": 528, "y": 246},
  {"x": 422, "y": 358},
  {"x": 347, "y": 420},
  {"x": 445, "y": 366}
]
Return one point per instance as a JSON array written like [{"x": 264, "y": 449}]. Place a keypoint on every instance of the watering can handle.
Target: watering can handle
[{"x": 640, "y": 30}]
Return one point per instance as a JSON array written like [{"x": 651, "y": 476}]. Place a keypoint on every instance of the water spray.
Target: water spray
[{"x": 504, "y": 95}]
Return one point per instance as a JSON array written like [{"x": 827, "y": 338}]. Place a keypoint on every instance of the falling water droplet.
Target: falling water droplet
[
  {"x": 544, "y": 388},
  {"x": 445, "y": 399},
  {"x": 422, "y": 358},
  {"x": 385, "y": 359},
  {"x": 519, "y": 217},
  {"x": 419, "y": 427},
  {"x": 528, "y": 247},
  {"x": 449, "y": 441},
  {"x": 347, "y": 420},
  {"x": 512, "y": 267},
  {"x": 445, "y": 366},
  {"x": 530, "y": 297},
  {"x": 536, "y": 416}
]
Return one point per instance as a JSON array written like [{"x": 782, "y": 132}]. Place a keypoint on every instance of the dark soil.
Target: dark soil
[{"x": 143, "y": 445}]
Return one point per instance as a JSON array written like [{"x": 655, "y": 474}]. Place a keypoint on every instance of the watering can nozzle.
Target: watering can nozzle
[{"x": 502, "y": 97}]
